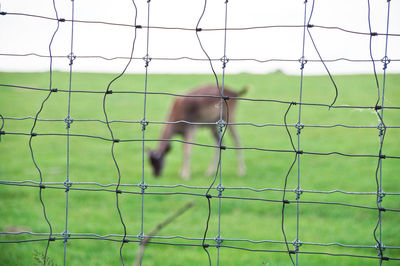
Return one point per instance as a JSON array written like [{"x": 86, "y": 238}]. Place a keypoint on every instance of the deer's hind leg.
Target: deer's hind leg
[
  {"x": 240, "y": 156},
  {"x": 214, "y": 162}
]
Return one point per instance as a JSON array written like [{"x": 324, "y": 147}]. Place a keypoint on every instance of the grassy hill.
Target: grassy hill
[{"x": 91, "y": 161}]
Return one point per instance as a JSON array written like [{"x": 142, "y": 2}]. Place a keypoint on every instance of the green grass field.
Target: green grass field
[{"x": 91, "y": 161}]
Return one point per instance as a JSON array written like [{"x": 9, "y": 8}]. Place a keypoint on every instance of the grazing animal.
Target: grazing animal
[{"x": 198, "y": 110}]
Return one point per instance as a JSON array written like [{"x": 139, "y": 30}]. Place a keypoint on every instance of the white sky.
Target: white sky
[{"x": 29, "y": 35}]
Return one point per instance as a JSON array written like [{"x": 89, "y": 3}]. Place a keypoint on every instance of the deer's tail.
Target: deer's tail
[{"x": 243, "y": 91}]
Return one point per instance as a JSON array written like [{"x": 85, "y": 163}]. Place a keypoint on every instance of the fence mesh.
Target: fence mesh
[{"x": 214, "y": 192}]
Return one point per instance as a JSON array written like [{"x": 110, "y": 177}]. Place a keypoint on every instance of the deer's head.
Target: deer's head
[{"x": 157, "y": 162}]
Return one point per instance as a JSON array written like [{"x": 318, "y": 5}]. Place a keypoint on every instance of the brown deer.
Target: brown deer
[{"x": 198, "y": 110}]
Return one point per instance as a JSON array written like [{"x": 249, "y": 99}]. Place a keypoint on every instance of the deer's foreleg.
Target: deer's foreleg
[{"x": 187, "y": 150}]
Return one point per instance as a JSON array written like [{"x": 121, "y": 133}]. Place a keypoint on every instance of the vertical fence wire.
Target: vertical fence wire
[
  {"x": 309, "y": 25},
  {"x": 32, "y": 134},
  {"x": 284, "y": 201},
  {"x": 118, "y": 192},
  {"x": 299, "y": 127},
  {"x": 68, "y": 122},
  {"x": 303, "y": 61},
  {"x": 222, "y": 127},
  {"x": 144, "y": 123},
  {"x": 381, "y": 137},
  {"x": 382, "y": 133},
  {"x": 221, "y": 131}
]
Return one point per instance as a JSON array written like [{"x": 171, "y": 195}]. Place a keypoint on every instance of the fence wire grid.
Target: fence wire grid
[{"x": 213, "y": 193}]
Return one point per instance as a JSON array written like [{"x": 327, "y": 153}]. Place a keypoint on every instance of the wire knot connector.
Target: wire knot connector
[
  {"x": 147, "y": 60},
  {"x": 221, "y": 125},
  {"x": 220, "y": 189},
  {"x": 224, "y": 61},
  {"x": 382, "y": 156},
  {"x": 218, "y": 239},
  {"x": 225, "y": 98},
  {"x": 199, "y": 29},
  {"x": 118, "y": 191},
  {"x": 109, "y": 91},
  {"x": 380, "y": 195},
  {"x": 293, "y": 103},
  {"x": 33, "y": 134},
  {"x": 298, "y": 191},
  {"x": 302, "y": 61},
  {"x": 297, "y": 244},
  {"x": 116, "y": 140},
  {"x": 380, "y": 247},
  {"x": 144, "y": 124},
  {"x": 292, "y": 251},
  {"x": 52, "y": 239},
  {"x": 310, "y": 25},
  {"x": 61, "y": 20},
  {"x": 125, "y": 240},
  {"x": 377, "y": 107},
  {"x": 381, "y": 209},
  {"x": 138, "y": 26},
  {"x": 299, "y": 152},
  {"x": 143, "y": 186},
  {"x": 374, "y": 34},
  {"x": 54, "y": 90},
  {"x": 3, "y": 13},
  {"x": 381, "y": 126},
  {"x": 42, "y": 186},
  {"x": 66, "y": 235},
  {"x": 208, "y": 196},
  {"x": 68, "y": 120},
  {"x": 71, "y": 58},
  {"x": 385, "y": 60},
  {"x": 67, "y": 185},
  {"x": 206, "y": 245},
  {"x": 299, "y": 127},
  {"x": 140, "y": 236}
]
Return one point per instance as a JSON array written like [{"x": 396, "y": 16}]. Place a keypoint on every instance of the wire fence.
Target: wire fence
[{"x": 215, "y": 192}]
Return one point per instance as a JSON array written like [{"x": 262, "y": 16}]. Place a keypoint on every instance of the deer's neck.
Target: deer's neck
[{"x": 167, "y": 133}]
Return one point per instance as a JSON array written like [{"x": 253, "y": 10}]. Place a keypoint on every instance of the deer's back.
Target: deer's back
[{"x": 202, "y": 109}]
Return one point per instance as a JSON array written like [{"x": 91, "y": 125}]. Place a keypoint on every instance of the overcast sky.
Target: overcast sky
[{"x": 21, "y": 35}]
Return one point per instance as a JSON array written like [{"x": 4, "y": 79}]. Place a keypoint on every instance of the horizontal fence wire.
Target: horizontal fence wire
[
  {"x": 382, "y": 156},
  {"x": 353, "y": 60},
  {"x": 210, "y": 196},
  {"x": 193, "y": 123},
  {"x": 200, "y": 29},
  {"x": 197, "y": 187},
  {"x": 212, "y": 193},
  {"x": 198, "y": 239},
  {"x": 209, "y": 96},
  {"x": 200, "y": 245}
]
